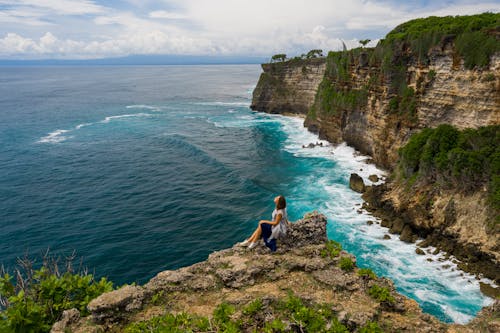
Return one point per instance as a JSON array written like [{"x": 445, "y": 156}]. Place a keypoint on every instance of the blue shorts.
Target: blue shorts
[{"x": 267, "y": 229}]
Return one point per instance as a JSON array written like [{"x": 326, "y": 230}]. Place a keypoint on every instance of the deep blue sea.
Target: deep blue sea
[{"x": 146, "y": 168}]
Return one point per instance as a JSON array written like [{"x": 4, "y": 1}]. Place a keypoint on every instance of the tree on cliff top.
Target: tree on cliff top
[
  {"x": 314, "y": 53},
  {"x": 278, "y": 57},
  {"x": 364, "y": 42}
]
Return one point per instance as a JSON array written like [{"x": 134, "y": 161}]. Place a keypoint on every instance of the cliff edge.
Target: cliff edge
[{"x": 308, "y": 285}]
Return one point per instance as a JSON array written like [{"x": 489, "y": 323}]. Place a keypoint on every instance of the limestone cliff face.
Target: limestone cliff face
[{"x": 288, "y": 87}]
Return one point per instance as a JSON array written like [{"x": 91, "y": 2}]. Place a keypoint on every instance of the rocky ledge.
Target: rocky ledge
[{"x": 308, "y": 285}]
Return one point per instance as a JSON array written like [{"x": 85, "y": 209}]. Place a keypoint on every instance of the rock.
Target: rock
[
  {"x": 115, "y": 305},
  {"x": 373, "y": 178},
  {"x": 356, "y": 183},
  {"x": 419, "y": 251},
  {"x": 407, "y": 235},
  {"x": 307, "y": 231},
  {"x": 386, "y": 236},
  {"x": 69, "y": 317},
  {"x": 369, "y": 222}
]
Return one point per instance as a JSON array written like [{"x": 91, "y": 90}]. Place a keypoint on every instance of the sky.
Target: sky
[{"x": 89, "y": 29}]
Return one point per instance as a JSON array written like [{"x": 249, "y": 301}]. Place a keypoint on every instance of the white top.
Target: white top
[{"x": 284, "y": 217}]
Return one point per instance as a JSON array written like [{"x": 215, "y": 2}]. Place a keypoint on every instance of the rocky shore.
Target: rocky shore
[{"x": 308, "y": 281}]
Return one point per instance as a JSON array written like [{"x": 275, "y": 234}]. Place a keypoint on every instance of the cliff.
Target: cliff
[
  {"x": 288, "y": 87},
  {"x": 308, "y": 285},
  {"x": 425, "y": 73}
]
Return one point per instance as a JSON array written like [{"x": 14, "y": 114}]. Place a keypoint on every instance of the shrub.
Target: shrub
[
  {"x": 35, "y": 300},
  {"x": 332, "y": 249},
  {"x": 346, "y": 264},
  {"x": 381, "y": 294},
  {"x": 370, "y": 327},
  {"x": 367, "y": 272},
  {"x": 253, "y": 308}
]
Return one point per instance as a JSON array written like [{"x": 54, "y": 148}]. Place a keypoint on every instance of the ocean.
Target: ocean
[{"x": 140, "y": 169}]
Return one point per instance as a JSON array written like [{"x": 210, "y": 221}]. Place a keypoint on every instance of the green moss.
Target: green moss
[{"x": 370, "y": 327}]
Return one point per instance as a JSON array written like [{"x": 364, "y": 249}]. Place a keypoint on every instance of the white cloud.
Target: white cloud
[
  {"x": 260, "y": 27},
  {"x": 163, "y": 14}
]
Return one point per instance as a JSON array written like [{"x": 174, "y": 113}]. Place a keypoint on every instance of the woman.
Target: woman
[{"x": 270, "y": 230}]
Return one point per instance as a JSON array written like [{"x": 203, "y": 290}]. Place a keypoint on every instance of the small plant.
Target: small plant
[
  {"x": 253, "y": 308},
  {"x": 346, "y": 264},
  {"x": 275, "y": 326},
  {"x": 371, "y": 327},
  {"x": 431, "y": 75},
  {"x": 381, "y": 294},
  {"x": 367, "y": 272},
  {"x": 489, "y": 77},
  {"x": 157, "y": 298},
  {"x": 332, "y": 249}
]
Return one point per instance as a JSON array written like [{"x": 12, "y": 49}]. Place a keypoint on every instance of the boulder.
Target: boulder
[
  {"x": 308, "y": 231},
  {"x": 356, "y": 183},
  {"x": 373, "y": 178},
  {"x": 116, "y": 304}
]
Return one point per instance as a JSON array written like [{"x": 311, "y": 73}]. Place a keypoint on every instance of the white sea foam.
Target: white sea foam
[
  {"x": 144, "y": 106},
  {"x": 225, "y": 103},
  {"x": 58, "y": 137},
  {"x": 110, "y": 118},
  {"x": 54, "y": 137}
]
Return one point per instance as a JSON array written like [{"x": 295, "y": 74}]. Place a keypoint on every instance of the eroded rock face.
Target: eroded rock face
[
  {"x": 69, "y": 317},
  {"x": 288, "y": 87}
]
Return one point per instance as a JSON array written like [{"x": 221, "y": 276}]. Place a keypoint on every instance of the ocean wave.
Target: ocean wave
[{"x": 58, "y": 136}]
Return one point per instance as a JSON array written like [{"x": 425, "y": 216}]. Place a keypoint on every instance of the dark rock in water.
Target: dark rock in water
[
  {"x": 369, "y": 222},
  {"x": 385, "y": 223},
  {"x": 419, "y": 251},
  {"x": 373, "y": 178},
  {"x": 387, "y": 236},
  {"x": 489, "y": 290},
  {"x": 356, "y": 183},
  {"x": 407, "y": 235}
]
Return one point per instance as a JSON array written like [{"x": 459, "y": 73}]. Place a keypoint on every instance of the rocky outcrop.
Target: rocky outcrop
[
  {"x": 356, "y": 183},
  {"x": 304, "y": 266},
  {"x": 288, "y": 87}
]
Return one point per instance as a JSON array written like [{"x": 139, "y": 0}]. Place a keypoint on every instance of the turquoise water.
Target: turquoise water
[{"x": 142, "y": 169}]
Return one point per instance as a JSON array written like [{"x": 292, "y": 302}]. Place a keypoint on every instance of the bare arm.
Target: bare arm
[{"x": 277, "y": 220}]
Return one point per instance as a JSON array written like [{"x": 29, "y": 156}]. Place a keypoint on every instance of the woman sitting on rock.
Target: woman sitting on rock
[{"x": 270, "y": 230}]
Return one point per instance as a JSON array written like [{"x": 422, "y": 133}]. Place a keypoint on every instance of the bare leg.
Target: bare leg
[{"x": 256, "y": 235}]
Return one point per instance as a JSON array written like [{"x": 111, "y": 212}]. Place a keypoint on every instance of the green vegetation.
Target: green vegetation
[
  {"x": 346, "y": 264},
  {"x": 370, "y": 327},
  {"x": 444, "y": 156},
  {"x": 332, "y": 249},
  {"x": 36, "y": 298},
  {"x": 367, "y": 272},
  {"x": 364, "y": 41},
  {"x": 381, "y": 294},
  {"x": 278, "y": 58},
  {"x": 474, "y": 36},
  {"x": 290, "y": 311}
]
